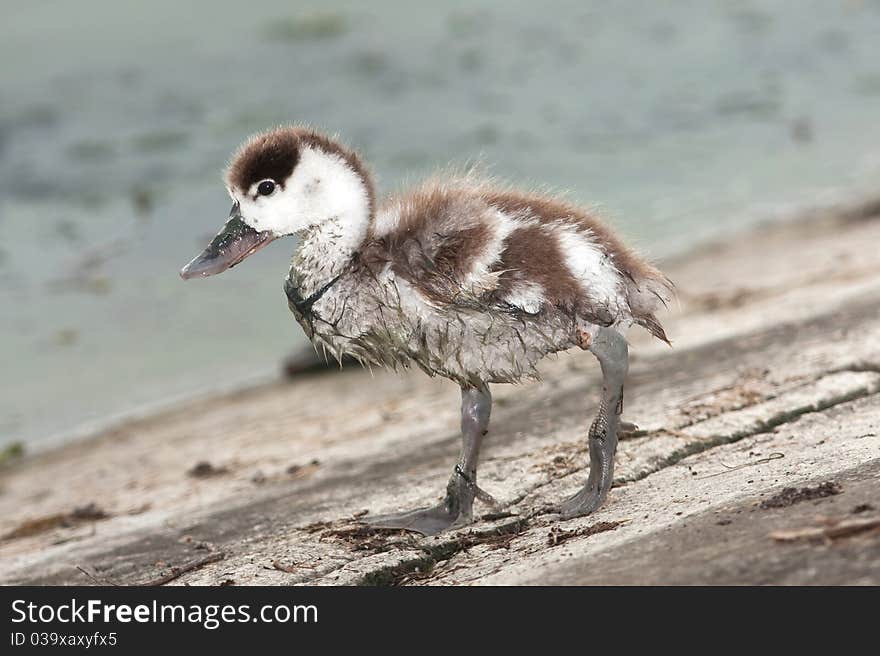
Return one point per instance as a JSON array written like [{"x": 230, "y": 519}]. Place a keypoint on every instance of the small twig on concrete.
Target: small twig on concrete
[
  {"x": 290, "y": 569},
  {"x": 730, "y": 468},
  {"x": 558, "y": 535},
  {"x": 178, "y": 571},
  {"x": 95, "y": 579},
  {"x": 832, "y": 531}
]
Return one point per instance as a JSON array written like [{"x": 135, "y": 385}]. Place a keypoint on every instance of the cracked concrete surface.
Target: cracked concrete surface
[{"x": 774, "y": 382}]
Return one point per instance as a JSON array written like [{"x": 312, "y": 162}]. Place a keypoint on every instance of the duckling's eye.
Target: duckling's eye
[{"x": 266, "y": 187}]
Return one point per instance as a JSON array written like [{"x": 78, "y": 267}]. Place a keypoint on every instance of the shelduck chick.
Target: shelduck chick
[{"x": 467, "y": 280}]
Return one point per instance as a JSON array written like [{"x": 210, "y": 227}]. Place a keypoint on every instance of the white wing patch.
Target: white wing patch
[{"x": 591, "y": 267}]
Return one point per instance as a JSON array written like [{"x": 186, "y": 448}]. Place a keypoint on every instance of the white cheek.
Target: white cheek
[
  {"x": 272, "y": 213},
  {"x": 281, "y": 210}
]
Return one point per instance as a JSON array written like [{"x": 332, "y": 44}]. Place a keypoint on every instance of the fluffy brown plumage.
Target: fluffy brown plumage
[{"x": 444, "y": 228}]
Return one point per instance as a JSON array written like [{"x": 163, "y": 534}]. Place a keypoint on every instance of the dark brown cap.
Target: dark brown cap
[{"x": 275, "y": 154}]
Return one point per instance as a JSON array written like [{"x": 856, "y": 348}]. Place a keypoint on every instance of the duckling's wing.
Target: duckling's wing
[
  {"x": 526, "y": 254},
  {"x": 446, "y": 245}
]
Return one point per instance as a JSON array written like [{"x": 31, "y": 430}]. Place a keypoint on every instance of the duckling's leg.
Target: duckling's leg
[
  {"x": 610, "y": 348},
  {"x": 457, "y": 508}
]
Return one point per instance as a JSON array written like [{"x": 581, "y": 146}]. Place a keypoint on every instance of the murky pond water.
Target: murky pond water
[{"x": 116, "y": 119}]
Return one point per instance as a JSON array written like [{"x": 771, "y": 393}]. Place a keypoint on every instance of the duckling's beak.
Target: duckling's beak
[{"x": 232, "y": 244}]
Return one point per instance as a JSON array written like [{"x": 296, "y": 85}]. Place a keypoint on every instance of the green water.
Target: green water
[{"x": 684, "y": 121}]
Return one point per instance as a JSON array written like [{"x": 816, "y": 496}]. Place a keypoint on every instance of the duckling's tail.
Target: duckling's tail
[{"x": 646, "y": 294}]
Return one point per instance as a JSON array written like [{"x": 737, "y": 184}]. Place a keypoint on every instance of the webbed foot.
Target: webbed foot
[
  {"x": 582, "y": 503},
  {"x": 427, "y": 521},
  {"x": 454, "y": 511}
]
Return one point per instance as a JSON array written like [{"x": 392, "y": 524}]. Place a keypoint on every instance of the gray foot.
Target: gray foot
[
  {"x": 427, "y": 521},
  {"x": 582, "y": 503},
  {"x": 454, "y": 511}
]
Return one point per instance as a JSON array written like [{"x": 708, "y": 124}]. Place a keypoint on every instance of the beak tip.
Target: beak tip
[{"x": 189, "y": 272}]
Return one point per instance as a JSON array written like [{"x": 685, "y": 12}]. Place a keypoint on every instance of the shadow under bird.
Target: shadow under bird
[{"x": 467, "y": 279}]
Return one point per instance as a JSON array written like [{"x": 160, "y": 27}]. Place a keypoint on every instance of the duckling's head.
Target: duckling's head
[{"x": 287, "y": 181}]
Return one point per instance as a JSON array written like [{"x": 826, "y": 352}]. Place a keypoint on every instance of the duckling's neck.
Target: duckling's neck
[
  {"x": 327, "y": 246},
  {"x": 325, "y": 250}
]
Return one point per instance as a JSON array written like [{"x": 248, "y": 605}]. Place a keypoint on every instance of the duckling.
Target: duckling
[{"x": 466, "y": 279}]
